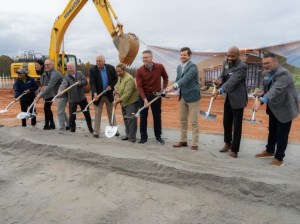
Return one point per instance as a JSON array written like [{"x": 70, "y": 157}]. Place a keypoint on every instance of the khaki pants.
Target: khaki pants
[
  {"x": 98, "y": 113},
  {"x": 189, "y": 110}
]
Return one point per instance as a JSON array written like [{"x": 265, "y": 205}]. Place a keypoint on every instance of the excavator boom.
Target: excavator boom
[{"x": 126, "y": 44}]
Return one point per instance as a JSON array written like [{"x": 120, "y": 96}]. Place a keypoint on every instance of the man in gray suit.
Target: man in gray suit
[
  {"x": 233, "y": 82},
  {"x": 187, "y": 82},
  {"x": 278, "y": 92}
]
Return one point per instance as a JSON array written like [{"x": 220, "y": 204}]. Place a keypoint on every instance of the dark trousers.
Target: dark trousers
[
  {"x": 233, "y": 118},
  {"x": 24, "y": 107},
  {"x": 48, "y": 113},
  {"x": 72, "y": 108},
  {"x": 278, "y": 135},
  {"x": 130, "y": 123},
  {"x": 156, "y": 112}
]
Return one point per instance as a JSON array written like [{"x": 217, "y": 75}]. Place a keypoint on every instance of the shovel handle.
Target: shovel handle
[{"x": 65, "y": 90}]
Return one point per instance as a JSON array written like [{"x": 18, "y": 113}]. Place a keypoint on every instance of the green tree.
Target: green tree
[{"x": 5, "y": 62}]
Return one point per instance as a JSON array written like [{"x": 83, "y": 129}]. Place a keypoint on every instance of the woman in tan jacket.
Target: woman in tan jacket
[{"x": 127, "y": 96}]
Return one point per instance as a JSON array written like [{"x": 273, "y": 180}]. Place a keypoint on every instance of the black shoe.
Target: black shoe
[
  {"x": 117, "y": 134},
  {"x": 67, "y": 128},
  {"x": 91, "y": 130},
  {"x": 142, "y": 141},
  {"x": 161, "y": 141},
  {"x": 46, "y": 127},
  {"x": 52, "y": 126},
  {"x": 73, "y": 129},
  {"x": 125, "y": 138}
]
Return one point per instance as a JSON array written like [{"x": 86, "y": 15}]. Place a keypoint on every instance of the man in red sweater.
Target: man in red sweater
[{"x": 148, "y": 79}]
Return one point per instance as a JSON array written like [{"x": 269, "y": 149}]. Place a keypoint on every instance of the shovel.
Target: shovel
[
  {"x": 27, "y": 115},
  {"x": 62, "y": 92},
  {"x": 157, "y": 94},
  {"x": 207, "y": 115},
  {"x": 87, "y": 106},
  {"x": 252, "y": 119},
  {"x": 12, "y": 103},
  {"x": 110, "y": 131}
]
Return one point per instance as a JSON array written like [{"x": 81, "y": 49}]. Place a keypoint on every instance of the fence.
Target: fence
[{"x": 6, "y": 82}]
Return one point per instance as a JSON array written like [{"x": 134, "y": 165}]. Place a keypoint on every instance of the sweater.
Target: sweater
[{"x": 149, "y": 82}]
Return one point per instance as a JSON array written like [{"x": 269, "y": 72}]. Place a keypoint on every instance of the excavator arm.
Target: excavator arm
[{"x": 126, "y": 44}]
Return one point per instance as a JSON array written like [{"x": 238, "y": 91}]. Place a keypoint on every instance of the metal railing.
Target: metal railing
[{"x": 6, "y": 81}]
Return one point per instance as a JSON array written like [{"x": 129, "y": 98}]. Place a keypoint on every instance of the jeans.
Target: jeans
[{"x": 278, "y": 136}]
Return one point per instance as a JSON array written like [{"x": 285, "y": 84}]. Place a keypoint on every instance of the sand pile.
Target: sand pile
[{"x": 63, "y": 177}]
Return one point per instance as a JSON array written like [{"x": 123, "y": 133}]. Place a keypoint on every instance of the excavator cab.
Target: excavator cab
[
  {"x": 62, "y": 64},
  {"x": 127, "y": 46}
]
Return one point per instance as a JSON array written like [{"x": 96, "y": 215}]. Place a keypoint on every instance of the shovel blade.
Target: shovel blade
[
  {"x": 208, "y": 116},
  {"x": 23, "y": 115},
  {"x": 249, "y": 120},
  {"x": 110, "y": 131},
  {"x": 3, "y": 111}
]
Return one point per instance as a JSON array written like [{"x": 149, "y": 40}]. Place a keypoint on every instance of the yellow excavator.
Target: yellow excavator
[{"x": 126, "y": 44}]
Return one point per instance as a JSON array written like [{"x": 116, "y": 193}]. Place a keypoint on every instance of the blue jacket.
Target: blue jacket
[{"x": 21, "y": 86}]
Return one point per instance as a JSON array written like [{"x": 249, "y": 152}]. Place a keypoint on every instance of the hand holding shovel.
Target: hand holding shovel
[
  {"x": 27, "y": 115},
  {"x": 255, "y": 108},
  {"x": 64, "y": 91},
  {"x": 111, "y": 130},
  {"x": 13, "y": 102}
]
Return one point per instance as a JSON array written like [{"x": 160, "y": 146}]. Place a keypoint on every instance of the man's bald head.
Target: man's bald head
[
  {"x": 233, "y": 55},
  {"x": 71, "y": 67}
]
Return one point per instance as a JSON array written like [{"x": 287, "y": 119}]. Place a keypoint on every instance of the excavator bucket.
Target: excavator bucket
[{"x": 127, "y": 46}]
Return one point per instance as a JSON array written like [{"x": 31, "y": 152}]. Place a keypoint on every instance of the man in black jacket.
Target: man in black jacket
[{"x": 102, "y": 76}]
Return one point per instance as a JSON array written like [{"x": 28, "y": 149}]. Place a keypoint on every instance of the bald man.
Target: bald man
[
  {"x": 232, "y": 83},
  {"x": 102, "y": 77}
]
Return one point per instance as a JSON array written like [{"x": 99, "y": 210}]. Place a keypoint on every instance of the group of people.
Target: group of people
[{"x": 113, "y": 86}]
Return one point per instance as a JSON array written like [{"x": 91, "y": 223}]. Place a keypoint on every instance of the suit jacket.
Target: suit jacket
[
  {"x": 282, "y": 95},
  {"x": 188, "y": 82},
  {"x": 51, "y": 81},
  {"x": 233, "y": 82},
  {"x": 96, "y": 81},
  {"x": 76, "y": 93}
]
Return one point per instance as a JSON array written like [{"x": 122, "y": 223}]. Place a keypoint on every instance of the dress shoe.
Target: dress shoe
[
  {"x": 72, "y": 129},
  {"x": 264, "y": 154},
  {"x": 117, "y": 134},
  {"x": 194, "y": 147},
  {"x": 226, "y": 147},
  {"x": 233, "y": 154},
  {"x": 276, "y": 162},
  {"x": 180, "y": 144},
  {"x": 46, "y": 127},
  {"x": 161, "y": 141},
  {"x": 67, "y": 128},
  {"x": 124, "y": 138},
  {"x": 95, "y": 134},
  {"x": 142, "y": 141}
]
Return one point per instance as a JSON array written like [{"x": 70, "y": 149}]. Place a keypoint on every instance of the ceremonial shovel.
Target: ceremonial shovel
[
  {"x": 27, "y": 115},
  {"x": 157, "y": 94},
  {"x": 252, "y": 119},
  {"x": 110, "y": 131},
  {"x": 12, "y": 103},
  {"x": 87, "y": 106},
  {"x": 207, "y": 115},
  {"x": 62, "y": 92}
]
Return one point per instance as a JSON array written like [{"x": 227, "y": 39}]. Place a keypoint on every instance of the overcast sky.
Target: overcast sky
[{"x": 212, "y": 25}]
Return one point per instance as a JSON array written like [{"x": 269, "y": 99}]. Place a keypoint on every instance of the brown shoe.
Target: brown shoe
[
  {"x": 180, "y": 144},
  {"x": 226, "y": 147},
  {"x": 264, "y": 154},
  {"x": 194, "y": 147},
  {"x": 233, "y": 154},
  {"x": 276, "y": 162}
]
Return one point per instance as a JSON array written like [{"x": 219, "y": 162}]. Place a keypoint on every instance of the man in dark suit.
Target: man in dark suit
[
  {"x": 102, "y": 76},
  {"x": 278, "y": 92},
  {"x": 233, "y": 83},
  {"x": 187, "y": 81}
]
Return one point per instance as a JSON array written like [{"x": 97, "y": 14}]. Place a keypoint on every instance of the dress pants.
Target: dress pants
[
  {"x": 72, "y": 108},
  {"x": 130, "y": 123},
  {"x": 156, "y": 113},
  {"x": 278, "y": 136},
  {"x": 63, "y": 119},
  {"x": 48, "y": 113},
  {"x": 98, "y": 113},
  {"x": 189, "y": 110},
  {"x": 233, "y": 118},
  {"x": 24, "y": 107}
]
